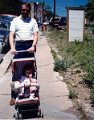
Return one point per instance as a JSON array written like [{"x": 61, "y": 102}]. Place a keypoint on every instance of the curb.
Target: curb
[{"x": 5, "y": 63}]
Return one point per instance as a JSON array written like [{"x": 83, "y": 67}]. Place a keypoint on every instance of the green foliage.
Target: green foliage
[
  {"x": 72, "y": 94},
  {"x": 54, "y": 54},
  {"x": 89, "y": 79},
  {"x": 55, "y": 35},
  {"x": 10, "y": 6},
  {"x": 92, "y": 96},
  {"x": 59, "y": 65},
  {"x": 90, "y": 10},
  {"x": 91, "y": 28},
  {"x": 74, "y": 52}
]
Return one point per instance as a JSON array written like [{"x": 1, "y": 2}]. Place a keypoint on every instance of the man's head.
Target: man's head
[{"x": 25, "y": 10}]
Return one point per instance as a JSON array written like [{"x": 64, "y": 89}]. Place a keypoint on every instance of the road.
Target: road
[
  {"x": 0, "y": 47},
  {"x": 54, "y": 100},
  {"x": 1, "y": 55}
]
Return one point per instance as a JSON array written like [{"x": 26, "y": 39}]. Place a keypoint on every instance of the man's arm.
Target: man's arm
[
  {"x": 35, "y": 40},
  {"x": 11, "y": 42}
]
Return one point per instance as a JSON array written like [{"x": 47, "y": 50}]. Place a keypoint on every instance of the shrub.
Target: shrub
[
  {"x": 59, "y": 65},
  {"x": 92, "y": 96},
  {"x": 54, "y": 54},
  {"x": 89, "y": 79},
  {"x": 72, "y": 94}
]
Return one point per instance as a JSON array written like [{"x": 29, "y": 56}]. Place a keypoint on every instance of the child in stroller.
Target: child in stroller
[{"x": 27, "y": 86}]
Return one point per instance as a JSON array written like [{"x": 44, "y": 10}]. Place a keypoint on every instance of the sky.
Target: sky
[{"x": 62, "y": 4}]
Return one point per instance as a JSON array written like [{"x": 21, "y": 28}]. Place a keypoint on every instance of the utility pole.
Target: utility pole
[
  {"x": 43, "y": 8},
  {"x": 54, "y": 13}
]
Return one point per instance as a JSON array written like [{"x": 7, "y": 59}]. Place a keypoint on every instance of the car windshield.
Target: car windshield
[
  {"x": 6, "y": 18},
  {"x": 4, "y": 25},
  {"x": 56, "y": 19}
]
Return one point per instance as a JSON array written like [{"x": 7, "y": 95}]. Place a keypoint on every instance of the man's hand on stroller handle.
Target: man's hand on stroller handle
[
  {"x": 13, "y": 51},
  {"x": 31, "y": 49},
  {"x": 21, "y": 51}
]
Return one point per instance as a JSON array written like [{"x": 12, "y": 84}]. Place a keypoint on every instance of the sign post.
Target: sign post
[{"x": 75, "y": 25}]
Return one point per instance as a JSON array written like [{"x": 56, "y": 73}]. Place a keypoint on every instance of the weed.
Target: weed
[
  {"x": 72, "y": 94},
  {"x": 59, "y": 65},
  {"x": 92, "y": 96},
  {"x": 54, "y": 54}
]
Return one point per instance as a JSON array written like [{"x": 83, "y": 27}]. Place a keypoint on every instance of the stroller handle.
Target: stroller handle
[{"x": 19, "y": 51}]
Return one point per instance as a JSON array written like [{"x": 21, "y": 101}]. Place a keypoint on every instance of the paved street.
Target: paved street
[{"x": 54, "y": 100}]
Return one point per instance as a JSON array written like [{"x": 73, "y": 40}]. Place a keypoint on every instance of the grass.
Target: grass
[
  {"x": 75, "y": 52},
  {"x": 59, "y": 65},
  {"x": 72, "y": 94}
]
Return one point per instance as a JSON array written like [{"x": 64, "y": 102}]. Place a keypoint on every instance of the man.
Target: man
[{"x": 23, "y": 36}]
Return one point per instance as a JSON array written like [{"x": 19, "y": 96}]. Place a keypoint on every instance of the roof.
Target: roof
[{"x": 10, "y": 15}]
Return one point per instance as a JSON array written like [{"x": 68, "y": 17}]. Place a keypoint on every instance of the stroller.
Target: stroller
[{"x": 24, "y": 105}]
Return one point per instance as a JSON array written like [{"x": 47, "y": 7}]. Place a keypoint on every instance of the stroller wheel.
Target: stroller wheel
[
  {"x": 18, "y": 116},
  {"x": 40, "y": 114}
]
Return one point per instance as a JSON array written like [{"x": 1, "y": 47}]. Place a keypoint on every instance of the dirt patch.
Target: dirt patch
[{"x": 73, "y": 78}]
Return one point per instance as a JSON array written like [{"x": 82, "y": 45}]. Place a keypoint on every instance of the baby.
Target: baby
[{"x": 27, "y": 86}]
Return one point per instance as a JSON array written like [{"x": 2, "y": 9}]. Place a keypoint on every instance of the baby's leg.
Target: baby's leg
[
  {"x": 16, "y": 85},
  {"x": 32, "y": 92}
]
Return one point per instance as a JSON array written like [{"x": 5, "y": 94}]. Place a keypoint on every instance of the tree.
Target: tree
[
  {"x": 49, "y": 13},
  {"x": 10, "y": 6},
  {"x": 46, "y": 10},
  {"x": 90, "y": 10}
]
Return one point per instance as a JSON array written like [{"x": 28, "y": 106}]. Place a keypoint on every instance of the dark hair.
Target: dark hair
[
  {"x": 29, "y": 67},
  {"x": 27, "y": 5}
]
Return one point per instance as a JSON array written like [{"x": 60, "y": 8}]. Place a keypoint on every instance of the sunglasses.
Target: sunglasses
[{"x": 23, "y": 10}]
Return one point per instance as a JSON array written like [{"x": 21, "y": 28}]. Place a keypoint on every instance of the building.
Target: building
[{"x": 37, "y": 11}]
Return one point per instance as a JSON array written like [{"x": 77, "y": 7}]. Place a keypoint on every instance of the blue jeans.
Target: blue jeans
[{"x": 23, "y": 45}]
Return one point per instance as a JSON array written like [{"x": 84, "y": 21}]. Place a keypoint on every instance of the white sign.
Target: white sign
[{"x": 76, "y": 25}]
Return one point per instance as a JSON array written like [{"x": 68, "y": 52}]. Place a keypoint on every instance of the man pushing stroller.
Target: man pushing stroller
[{"x": 23, "y": 36}]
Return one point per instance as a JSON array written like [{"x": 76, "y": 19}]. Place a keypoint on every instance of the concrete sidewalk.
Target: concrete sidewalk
[
  {"x": 5, "y": 64},
  {"x": 53, "y": 92}
]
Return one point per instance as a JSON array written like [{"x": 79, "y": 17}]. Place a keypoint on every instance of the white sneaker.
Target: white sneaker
[
  {"x": 21, "y": 94},
  {"x": 16, "y": 99},
  {"x": 31, "y": 98},
  {"x": 12, "y": 85}
]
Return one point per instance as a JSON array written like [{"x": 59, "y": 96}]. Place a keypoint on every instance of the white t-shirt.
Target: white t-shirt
[{"x": 24, "y": 29}]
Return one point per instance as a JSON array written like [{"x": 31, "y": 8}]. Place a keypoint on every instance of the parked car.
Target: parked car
[
  {"x": 56, "y": 20},
  {"x": 4, "y": 35},
  {"x": 8, "y": 17},
  {"x": 59, "y": 22}
]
